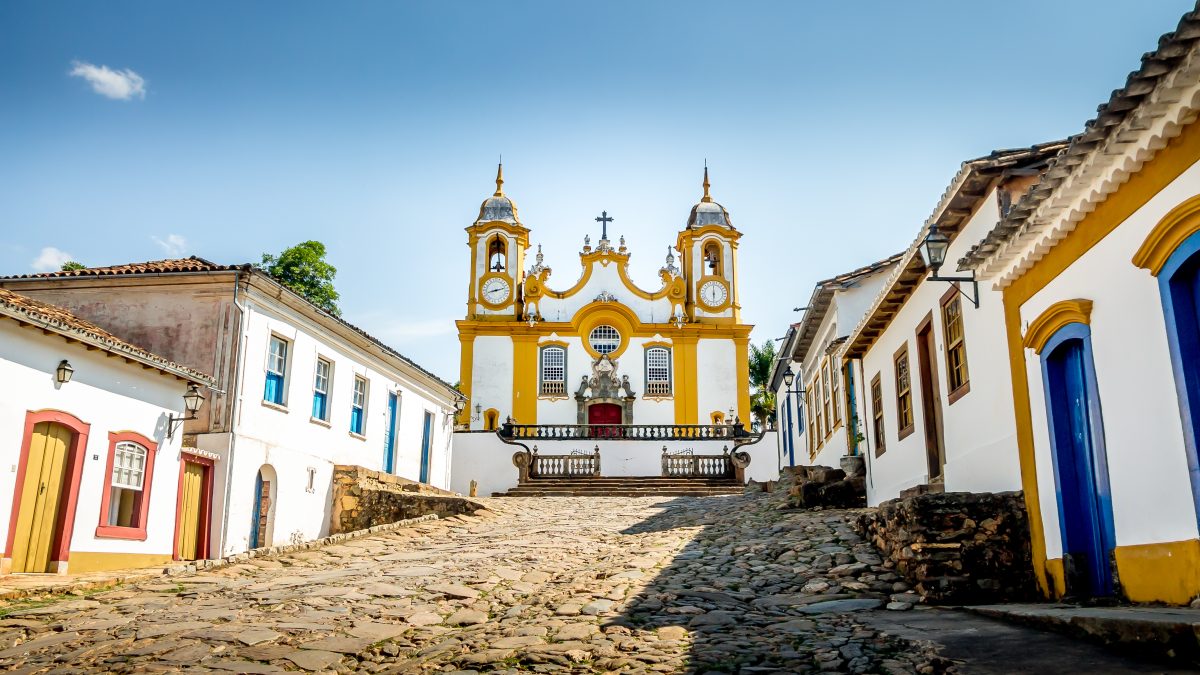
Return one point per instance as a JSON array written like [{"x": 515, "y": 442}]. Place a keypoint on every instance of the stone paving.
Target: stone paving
[{"x": 548, "y": 585}]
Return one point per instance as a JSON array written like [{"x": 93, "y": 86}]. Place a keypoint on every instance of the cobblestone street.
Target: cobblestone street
[{"x": 535, "y": 585}]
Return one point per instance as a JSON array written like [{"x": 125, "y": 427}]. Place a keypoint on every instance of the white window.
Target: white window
[
  {"x": 277, "y": 360},
  {"x": 604, "y": 339},
  {"x": 128, "y": 479},
  {"x": 658, "y": 371},
  {"x": 321, "y": 385},
  {"x": 554, "y": 371}
]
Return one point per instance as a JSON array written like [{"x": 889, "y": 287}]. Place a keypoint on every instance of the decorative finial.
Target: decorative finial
[
  {"x": 500, "y": 180},
  {"x": 706, "y": 197}
]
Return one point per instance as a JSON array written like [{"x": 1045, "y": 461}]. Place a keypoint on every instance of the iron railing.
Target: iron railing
[{"x": 627, "y": 432}]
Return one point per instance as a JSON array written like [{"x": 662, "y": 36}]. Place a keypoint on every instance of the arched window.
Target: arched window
[
  {"x": 712, "y": 258},
  {"x": 497, "y": 255},
  {"x": 658, "y": 371},
  {"x": 491, "y": 419},
  {"x": 554, "y": 371},
  {"x": 604, "y": 339}
]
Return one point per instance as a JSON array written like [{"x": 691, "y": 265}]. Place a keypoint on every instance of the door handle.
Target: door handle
[{"x": 41, "y": 488}]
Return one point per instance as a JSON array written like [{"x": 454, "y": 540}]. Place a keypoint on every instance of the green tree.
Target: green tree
[
  {"x": 762, "y": 399},
  {"x": 303, "y": 269},
  {"x": 71, "y": 266}
]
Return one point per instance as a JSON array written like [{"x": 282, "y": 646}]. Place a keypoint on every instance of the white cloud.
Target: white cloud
[
  {"x": 116, "y": 84},
  {"x": 51, "y": 259},
  {"x": 174, "y": 245}
]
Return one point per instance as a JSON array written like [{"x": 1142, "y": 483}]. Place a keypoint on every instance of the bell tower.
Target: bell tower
[
  {"x": 708, "y": 248},
  {"x": 498, "y": 241}
]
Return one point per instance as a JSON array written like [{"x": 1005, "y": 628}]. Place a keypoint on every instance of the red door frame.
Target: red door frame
[
  {"x": 64, "y": 527},
  {"x": 205, "y": 507}
]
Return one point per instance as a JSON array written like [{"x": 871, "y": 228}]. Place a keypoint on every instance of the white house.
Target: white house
[
  {"x": 298, "y": 390},
  {"x": 1099, "y": 271},
  {"x": 935, "y": 394},
  {"x": 94, "y": 475},
  {"x": 818, "y": 413}
]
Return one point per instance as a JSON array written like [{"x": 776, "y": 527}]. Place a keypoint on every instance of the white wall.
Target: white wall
[
  {"x": 716, "y": 375},
  {"x": 110, "y": 395},
  {"x": 979, "y": 431},
  {"x": 492, "y": 377},
  {"x": 605, "y": 278},
  {"x": 1148, "y": 473}
]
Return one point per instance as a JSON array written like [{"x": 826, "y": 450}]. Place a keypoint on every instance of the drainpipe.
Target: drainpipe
[{"x": 236, "y": 412}]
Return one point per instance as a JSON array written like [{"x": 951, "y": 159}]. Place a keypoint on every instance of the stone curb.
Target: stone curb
[{"x": 173, "y": 570}]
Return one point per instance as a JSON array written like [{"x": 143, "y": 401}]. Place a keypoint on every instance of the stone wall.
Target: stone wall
[
  {"x": 363, "y": 498},
  {"x": 957, "y": 547},
  {"x": 813, "y": 486}
]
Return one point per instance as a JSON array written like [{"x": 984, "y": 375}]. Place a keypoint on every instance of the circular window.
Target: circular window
[{"x": 604, "y": 339}]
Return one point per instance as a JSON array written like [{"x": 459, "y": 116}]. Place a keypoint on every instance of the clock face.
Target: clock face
[
  {"x": 713, "y": 294},
  {"x": 495, "y": 291}
]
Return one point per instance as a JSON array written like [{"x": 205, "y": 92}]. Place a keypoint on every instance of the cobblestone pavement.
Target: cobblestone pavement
[{"x": 581, "y": 585}]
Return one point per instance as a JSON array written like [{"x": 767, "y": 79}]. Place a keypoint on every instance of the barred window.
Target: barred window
[
  {"x": 658, "y": 371},
  {"x": 956, "y": 346},
  {"x": 604, "y": 339},
  {"x": 554, "y": 371}
]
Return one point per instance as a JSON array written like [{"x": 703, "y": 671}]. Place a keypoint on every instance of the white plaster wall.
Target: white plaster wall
[
  {"x": 979, "y": 430},
  {"x": 108, "y": 394},
  {"x": 492, "y": 376},
  {"x": 764, "y": 458},
  {"x": 716, "y": 372},
  {"x": 604, "y": 278},
  {"x": 1148, "y": 474}
]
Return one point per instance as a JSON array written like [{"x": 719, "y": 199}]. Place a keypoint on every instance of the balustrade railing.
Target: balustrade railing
[
  {"x": 627, "y": 432},
  {"x": 691, "y": 466},
  {"x": 558, "y": 466}
]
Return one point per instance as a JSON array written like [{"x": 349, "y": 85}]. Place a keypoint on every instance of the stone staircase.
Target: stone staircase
[{"x": 626, "y": 486}]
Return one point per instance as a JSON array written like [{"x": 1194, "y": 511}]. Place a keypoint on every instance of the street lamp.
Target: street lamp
[
  {"x": 933, "y": 253},
  {"x": 64, "y": 372},
  {"x": 192, "y": 400}
]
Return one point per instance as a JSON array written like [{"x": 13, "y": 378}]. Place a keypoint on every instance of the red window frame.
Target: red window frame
[{"x": 142, "y": 506}]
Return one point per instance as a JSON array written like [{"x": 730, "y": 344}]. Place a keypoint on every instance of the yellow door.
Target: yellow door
[
  {"x": 189, "y": 510},
  {"x": 41, "y": 493}
]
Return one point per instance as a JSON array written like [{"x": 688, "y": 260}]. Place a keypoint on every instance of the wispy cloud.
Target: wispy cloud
[
  {"x": 174, "y": 245},
  {"x": 51, "y": 260},
  {"x": 121, "y": 85}
]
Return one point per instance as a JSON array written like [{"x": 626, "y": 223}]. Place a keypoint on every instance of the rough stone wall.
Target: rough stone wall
[
  {"x": 957, "y": 547},
  {"x": 813, "y": 486},
  {"x": 363, "y": 498}
]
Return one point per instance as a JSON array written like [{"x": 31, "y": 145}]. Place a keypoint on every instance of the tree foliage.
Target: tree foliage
[
  {"x": 71, "y": 266},
  {"x": 762, "y": 399},
  {"x": 303, "y": 269}
]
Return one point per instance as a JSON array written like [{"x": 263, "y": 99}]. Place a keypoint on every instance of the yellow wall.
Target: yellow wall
[
  {"x": 525, "y": 374},
  {"x": 82, "y": 562}
]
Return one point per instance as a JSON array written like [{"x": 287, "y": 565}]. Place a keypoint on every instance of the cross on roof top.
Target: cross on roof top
[{"x": 604, "y": 220}]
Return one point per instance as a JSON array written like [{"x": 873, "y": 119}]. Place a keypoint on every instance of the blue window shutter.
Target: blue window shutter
[
  {"x": 274, "y": 388},
  {"x": 318, "y": 410},
  {"x": 356, "y": 420}
]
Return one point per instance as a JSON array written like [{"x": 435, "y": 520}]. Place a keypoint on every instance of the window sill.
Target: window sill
[
  {"x": 906, "y": 432},
  {"x": 320, "y": 422},
  {"x": 117, "y": 532},
  {"x": 276, "y": 406},
  {"x": 357, "y": 435},
  {"x": 553, "y": 397},
  {"x": 962, "y": 391},
  {"x": 659, "y": 397}
]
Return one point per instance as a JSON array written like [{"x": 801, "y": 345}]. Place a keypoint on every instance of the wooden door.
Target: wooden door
[
  {"x": 191, "y": 496},
  {"x": 426, "y": 447},
  {"x": 605, "y": 414},
  {"x": 931, "y": 401},
  {"x": 41, "y": 496}
]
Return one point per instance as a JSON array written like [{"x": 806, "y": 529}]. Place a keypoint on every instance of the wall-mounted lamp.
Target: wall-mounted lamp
[
  {"x": 459, "y": 405},
  {"x": 933, "y": 252},
  {"x": 788, "y": 378},
  {"x": 192, "y": 401},
  {"x": 64, "y": 372},
  {"x": 478, "y": 413}
]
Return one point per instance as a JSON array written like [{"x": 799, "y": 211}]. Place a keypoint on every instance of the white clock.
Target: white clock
[
  {"x": 495, "y": 291},
  {"x": 713, "y": 294}
]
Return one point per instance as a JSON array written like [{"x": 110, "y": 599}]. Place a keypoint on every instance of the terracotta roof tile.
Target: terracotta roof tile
[
  {"x": 192, "y": 264},
  {"x": 55, "y": 318}
]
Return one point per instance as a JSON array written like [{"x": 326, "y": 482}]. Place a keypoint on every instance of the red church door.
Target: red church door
[{"x": 605, "y": 413}]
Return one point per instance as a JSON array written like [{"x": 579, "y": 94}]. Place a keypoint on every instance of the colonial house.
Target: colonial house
[
  {"x": 924, "y": 349},
  {"x": 818, "y": 400},
  {"x": 1099, "y": 274},
  {"x": 298, "y": 390},
  {"x": 599, "y": 350},
  {"x": 91, "y": 447}
]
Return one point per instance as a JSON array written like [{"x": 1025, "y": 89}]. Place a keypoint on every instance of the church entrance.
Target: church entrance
[{"x": 605, "y": 413}]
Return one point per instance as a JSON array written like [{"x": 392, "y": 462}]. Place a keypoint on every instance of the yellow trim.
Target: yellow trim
[
  {"x": 684, "y": 356},
  {"x": 525, "y": 372},
  {"x": 551, "y": 397},
  {"x": 717, "y": 417},
  {"x": 742, "y": 346},
  {"x": 507, "y": 327},
  {"x": 596, "y": 314},
  {"x": 1170, "y": 162},
  {"x": 728, "y": 294},
  {"x": 81, "y": 562},
  {"x": 1055, "y": 317},
  {"x": 466, "y": 342},
  {"x": 508, "y": 300},
  {"x": 673, "y": 288},
  {"x": 1057, "y": 576},
  {"x": 1180, "y": 223},
  {"x": 1162, "y": 572},
  {"x": 491, "y": 419},
  {"x": 671, "y": 349}
]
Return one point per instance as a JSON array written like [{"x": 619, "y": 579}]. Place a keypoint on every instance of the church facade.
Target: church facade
[{"x": 594, "y": 347}]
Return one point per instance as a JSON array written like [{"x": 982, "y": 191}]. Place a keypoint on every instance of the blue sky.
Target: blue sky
[{"x": 228, "y": 129}]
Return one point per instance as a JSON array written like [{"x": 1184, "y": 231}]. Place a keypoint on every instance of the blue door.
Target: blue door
[
  {"x": 389, "y": 435},
  {"x": 256, "y": 514},
  {"x": 426, "y": 441},
  {"x": 1080, "y": 468},
  {"x": 1179, "y": 283}
]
